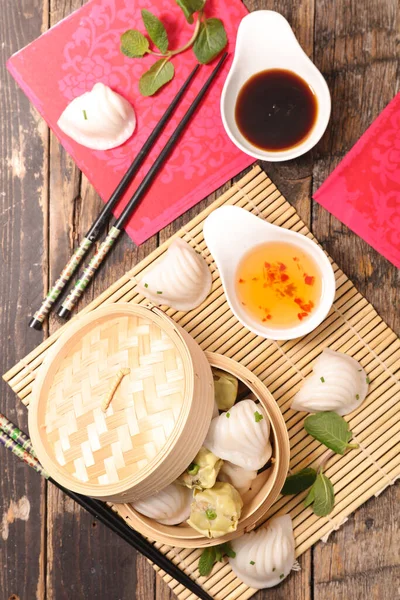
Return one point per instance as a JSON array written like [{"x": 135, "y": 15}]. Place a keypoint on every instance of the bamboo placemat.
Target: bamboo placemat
[{"x": 352, "y": 326}]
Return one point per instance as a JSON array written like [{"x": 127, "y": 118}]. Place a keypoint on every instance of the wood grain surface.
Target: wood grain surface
[{"x": 49, "y": 548}]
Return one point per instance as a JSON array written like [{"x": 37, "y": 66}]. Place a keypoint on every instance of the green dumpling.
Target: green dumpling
[
  {"x": 202, "y": 472},
  {"x": 225, "y": 389},
  {"x": 216, "y": 511}
]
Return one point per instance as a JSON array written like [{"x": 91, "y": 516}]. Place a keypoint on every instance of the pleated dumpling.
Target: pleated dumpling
[
  {"x": 240, "y": 478},
  {"x": 216, "y": 511},
  {"x": 100, "y": 119},
  {"x": 338, "y": 383},
  {"x": 241, "y": 436},
  {"x": 169, "y": 507},
  {"x": 181, "y": 280},
  {"x": 266, "y": 556}
]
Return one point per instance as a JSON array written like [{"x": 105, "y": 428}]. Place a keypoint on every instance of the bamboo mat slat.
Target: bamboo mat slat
[{"x": 352, "y": 326}]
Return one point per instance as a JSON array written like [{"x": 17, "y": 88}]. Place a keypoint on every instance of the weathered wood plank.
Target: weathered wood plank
[
  {"x": 355, "y": 47},
  {"x": 23, "y": 197}
]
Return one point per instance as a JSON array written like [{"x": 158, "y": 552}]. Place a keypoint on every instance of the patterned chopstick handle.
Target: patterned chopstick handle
[
  {"x": 62, "y": 281},
  {"x": 17, "y": 435},
  {"x": 89, "y": 272},
  {"x": 22, "y": 454}
]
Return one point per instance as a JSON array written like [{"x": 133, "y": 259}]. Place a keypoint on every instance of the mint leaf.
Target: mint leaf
[
  {"x": 189, "y": 7},
  {"x": 206, "y": 561},
  {"x": 156, "y": 30},
  {"x": 298, "y": 482},
  {"x": 331, "y": 430},
  {"x": 134, "y": 44},
  {"x": 309, "y": 499},
  {"x": 158, "y": 75},
  {"x": 210, "y": 41},
  {"x": 324, "y": 496},
  {"x": 227, "y": 549}
]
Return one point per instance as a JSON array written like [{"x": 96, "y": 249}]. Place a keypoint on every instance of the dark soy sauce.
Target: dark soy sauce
[{"x": 276, "y": 110}]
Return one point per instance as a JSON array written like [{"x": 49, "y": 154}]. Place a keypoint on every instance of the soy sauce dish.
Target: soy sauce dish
[
  {"x": 275, "y": 104},
  {"x": 278, "y": 283}
]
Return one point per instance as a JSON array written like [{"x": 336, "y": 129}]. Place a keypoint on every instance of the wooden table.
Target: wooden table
[{"x": 60, "y": 552}]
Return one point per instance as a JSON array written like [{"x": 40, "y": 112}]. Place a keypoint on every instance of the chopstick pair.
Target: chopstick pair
[
  {"x": 20, "y": 445},
  {"x": 98, "y": 226}
]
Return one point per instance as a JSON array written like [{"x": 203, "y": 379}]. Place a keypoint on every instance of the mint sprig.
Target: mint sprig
[
  {"x": 208, "y": 40},
  {"x": 330, "y": 429},
  {"x": 210, "y": 556}
]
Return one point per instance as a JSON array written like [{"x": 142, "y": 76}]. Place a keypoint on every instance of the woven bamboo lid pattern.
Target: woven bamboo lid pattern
[{"x": 139, "y": 361}]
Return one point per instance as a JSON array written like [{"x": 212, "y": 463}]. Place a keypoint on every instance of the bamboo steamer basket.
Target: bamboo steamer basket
[
  {"x": 268, "y": 484},
  {"x": 158, "y": 416}
]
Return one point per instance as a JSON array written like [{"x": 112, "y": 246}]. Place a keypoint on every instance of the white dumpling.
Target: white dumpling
[
  {"x": 169, "y": 507},
  {"x": 100, "y": 119},
  {"x": 240, "y": 478},
  {"x": 241, "y": 436},
  {"x": 338, "y": 383},
  {"x": 266, "y": 556},
  {"x": 181, "y": 280}
]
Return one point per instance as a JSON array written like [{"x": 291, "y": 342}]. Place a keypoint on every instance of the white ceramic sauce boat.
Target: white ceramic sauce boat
[
  {"x": 230, "y": 232},
  {"x": 265, "y": 41}
]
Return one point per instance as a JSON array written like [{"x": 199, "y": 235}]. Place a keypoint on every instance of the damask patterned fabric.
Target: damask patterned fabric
[
  {"x": 364, "y": 190},
  {"x": 82, "y": 49}
]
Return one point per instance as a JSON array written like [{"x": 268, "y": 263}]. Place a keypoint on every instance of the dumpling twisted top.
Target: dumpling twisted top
[
  {"x": 241, "y": 436},
  {"x": 338, "y": 383},
  {"x": 100, "y": 119},
  {"x": 266, "y": 556}
]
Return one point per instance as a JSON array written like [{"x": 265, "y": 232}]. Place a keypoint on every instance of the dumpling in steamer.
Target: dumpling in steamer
[
  {"x": 338, "y": 383},
  {"x": 241, "y": 436},
  {"x": 241, "y": 479},
  {"x": 216, "y": 511},
  {"x": 266, "y": 556},
  {"x": 169, "y": 507},
  {"x": 181, "y": 280},
  {"x": 100, "y": 119}
]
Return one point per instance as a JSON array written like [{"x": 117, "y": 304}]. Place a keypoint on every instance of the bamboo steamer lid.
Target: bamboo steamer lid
[{"x": 158, "y": 416}]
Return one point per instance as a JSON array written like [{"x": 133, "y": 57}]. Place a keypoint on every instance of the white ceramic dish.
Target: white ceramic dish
[
  {"x": 265, "y": 41},
  {"x": 230, "y": 232}
]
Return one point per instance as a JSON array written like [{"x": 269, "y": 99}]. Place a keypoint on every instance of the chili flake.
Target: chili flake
[{"x": 309, "y": 279}]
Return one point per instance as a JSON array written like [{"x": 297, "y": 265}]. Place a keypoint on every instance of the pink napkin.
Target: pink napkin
[
  {"x": 364, "y": 190},
  {"x": 84, "y": 48}
]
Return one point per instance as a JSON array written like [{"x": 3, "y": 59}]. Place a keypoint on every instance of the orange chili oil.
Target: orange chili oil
[{"x": 278, "y": 284}]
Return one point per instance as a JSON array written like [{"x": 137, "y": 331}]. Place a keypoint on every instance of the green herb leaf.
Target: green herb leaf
[
  {"x": 322, "y": 379},
  {"x": 367, "y": 379},
  {"x": 258, "y": 416},
  {"x": 210, "y": 41},
  {"x": 85, "y": 115},
  {"x": 206, "y": 561},
  {"x": 227, "y": 549},
  {"x": 211, "y": 514},
  {"x": 309, "y": 499},
  {"x": 193, "y": 469},
  {"x": 324, "y": 496},
  {"x": 252, "y": 562},
  {"x": 158, "y": 75},
  {"x": 190, "y": 7},
  {"x": 331, "y": 430},
  {"x": 228, "y": 414},
  {"x": 219, "y": 554},
  {"x": 298, "y": 482},
  {"x": 134, "y": 44},
  {"x": 156, "y": 30}
]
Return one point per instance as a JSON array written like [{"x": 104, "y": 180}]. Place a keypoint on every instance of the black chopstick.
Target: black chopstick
[
  {"x": 18, "y": 442},
  {"x": 101, "y": 221},
  {"x": 89, "y": 272}
]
